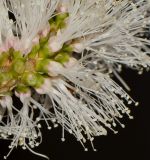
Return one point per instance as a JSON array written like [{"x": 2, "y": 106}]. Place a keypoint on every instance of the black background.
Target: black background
[{"x": 132, "y": 142}]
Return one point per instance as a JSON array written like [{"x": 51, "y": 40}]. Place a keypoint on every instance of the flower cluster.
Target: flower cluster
[{"x": 56, "y": 57}]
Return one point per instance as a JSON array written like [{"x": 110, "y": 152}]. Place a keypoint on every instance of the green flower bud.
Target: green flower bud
[
  {"x": 41, "y": 65},
  {"x": 19, "y": 66},
  {"x": 61, "y": 17},
  {"x": 40, "y": 81},
  {"x": 34, "y": 51},
  {"x": 44, "y": 40},
  {"x": 30, "y": 79},
  {"x": 67, "y": 48},
  {"x": 5, "y": 77},
  {"x": 21, "y": 88},
  {"x": 60, "y": 24},
  {"x": 62, "y": 57},
  {"x": 45, "y": 52},
  {"x": 16, "y": 55},
  {"x": 60, "y": 20}
]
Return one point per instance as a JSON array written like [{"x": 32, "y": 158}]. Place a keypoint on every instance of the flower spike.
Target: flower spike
[{"x": 57, "y": 58}]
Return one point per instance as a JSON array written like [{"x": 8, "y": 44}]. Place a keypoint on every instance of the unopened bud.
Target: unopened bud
[
  {"x": 45, "y": 87},
  {"x": 62, "y": 57},
  {"x": 19, "y": 66},
  {"x": 30, "y": 78},
  {"x": 71, "y": 62},
  {"x": 54, "y": 45},
  {"x": 54, "y": 68},
  {"x": 78, "y": 47}
]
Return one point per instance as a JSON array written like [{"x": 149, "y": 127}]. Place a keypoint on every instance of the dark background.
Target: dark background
[{"x": 132, "y": 142}]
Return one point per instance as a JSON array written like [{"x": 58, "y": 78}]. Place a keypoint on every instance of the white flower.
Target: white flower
[
  {"x": 56, "y": 56},
  {"x": 28, "y": 26}
]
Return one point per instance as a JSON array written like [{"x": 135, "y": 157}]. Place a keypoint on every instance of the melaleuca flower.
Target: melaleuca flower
[{"x": 56, "y": 57}]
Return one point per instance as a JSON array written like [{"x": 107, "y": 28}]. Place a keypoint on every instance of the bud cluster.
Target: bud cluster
[{"x": 21, "y": 72}]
